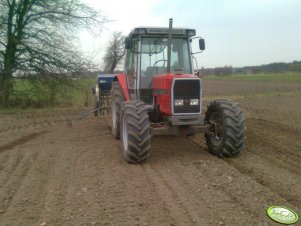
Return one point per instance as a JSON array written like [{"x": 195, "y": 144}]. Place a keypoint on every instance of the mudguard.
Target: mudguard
[{"x": 122, "y": 81}]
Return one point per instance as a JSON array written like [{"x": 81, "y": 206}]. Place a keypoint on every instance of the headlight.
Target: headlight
[
  {"x": 179, "y": 102},
  {"x": 194, "y": 102}
]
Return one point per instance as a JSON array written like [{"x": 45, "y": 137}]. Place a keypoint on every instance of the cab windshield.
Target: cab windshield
[{"x": 154, "y": 58}]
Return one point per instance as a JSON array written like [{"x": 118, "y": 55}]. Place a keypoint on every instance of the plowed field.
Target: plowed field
[{"x": 52, "y": 173}]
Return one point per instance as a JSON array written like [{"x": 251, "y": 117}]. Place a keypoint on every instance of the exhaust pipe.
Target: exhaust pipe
[{"x": 169, "y": 45}]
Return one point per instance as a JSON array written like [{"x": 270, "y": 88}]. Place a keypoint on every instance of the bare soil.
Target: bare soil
[
  {"x": 52, "y": 173},
  {"x": 237, "y": 88}
]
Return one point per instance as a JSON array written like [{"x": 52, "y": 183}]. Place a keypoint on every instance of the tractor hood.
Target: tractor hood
[
  {"x": 164, "y": 81},
  {"x": 168, "y": 87}
]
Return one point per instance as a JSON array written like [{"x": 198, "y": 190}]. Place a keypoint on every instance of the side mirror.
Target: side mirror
[
  {"x": 200, "y": 75},
  {"x": 128, "y": 43},
  {"x": 202, "y": 44}
]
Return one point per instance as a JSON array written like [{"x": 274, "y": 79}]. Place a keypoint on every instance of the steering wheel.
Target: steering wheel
[{"x": 160, "y": 61}]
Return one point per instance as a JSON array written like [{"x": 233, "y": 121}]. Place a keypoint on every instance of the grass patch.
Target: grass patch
[
  {"x": 252, "y": 95},
  {"x": 287, "y": 77},
  {"x": 70, "y": 93}
]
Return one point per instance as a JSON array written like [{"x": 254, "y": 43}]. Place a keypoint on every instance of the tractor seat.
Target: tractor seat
[
  {"x": 159, "y": 70},
  {"x": 148, "y": 74}
]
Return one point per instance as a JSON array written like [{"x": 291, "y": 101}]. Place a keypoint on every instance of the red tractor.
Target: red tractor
[{"x": 159, "y": 94}]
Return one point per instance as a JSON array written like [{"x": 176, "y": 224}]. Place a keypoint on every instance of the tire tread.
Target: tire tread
[
  {"x": 139, "y": 136},
  {"x": 234, "y": 128}
]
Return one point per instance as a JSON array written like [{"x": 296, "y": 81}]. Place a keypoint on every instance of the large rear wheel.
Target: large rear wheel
[
  {"x": 135, "y": 132},
  {"x": 226, "y": 135},
  {"x": 116, "y": 100}
]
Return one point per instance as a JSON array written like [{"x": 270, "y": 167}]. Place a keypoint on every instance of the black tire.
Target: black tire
[
  {"x": 227, "y": 132},
  {"x": 135, "y": 132},
  {"x": 116, "y": 100}
]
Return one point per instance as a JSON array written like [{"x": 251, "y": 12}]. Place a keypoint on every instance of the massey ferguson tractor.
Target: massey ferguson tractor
[{"x": 159, "y": 94}]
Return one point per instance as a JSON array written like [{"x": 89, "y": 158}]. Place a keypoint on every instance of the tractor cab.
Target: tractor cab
[{"x": 147, "y": 57}]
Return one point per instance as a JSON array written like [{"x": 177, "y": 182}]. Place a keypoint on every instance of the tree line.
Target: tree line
[
  {"x": 38, "y": 41},
  {"x": 294, "y": 66},
  {"x": 38, "y": 37}
]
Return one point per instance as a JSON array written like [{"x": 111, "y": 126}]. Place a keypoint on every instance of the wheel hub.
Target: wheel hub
[{"x": 216, "y": 131}]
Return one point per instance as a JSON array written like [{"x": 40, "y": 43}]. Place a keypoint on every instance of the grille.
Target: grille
[{"x": 186, "y": 90}]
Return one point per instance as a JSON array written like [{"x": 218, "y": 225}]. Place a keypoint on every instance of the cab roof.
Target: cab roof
[{"x": 187, "y": 32}]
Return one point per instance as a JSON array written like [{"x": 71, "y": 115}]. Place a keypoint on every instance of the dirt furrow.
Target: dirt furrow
[
  {"x": 272, "y": 159},
  {"x": 28, "y": 181},
  {"x": 76, "y": 175},
  {"x": 9, "y": 163},
  {"x": 127, "y": 195},
  {"x": 210, "y": 182},
  {"x": 13, "y": 184},
  {"x": 176, "y": 204},
  {"x": 20, "y": 141},
  {"x": 97, "y": 186}
]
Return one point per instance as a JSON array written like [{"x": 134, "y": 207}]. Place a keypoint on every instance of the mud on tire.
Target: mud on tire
[
  {"x": 116, "y": 100},
  {"x": 135, "y": 132},
  {"x": 227, "y": 132}
]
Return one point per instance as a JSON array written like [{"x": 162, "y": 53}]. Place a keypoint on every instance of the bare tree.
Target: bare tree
[
  {"x": 114, "y": 52},
  {"x": 38, "y": 36}
]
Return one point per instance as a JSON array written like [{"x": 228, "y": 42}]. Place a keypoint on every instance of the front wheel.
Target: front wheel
[
  {"x": 226, "y": 135},
  {"x": 135, "y": 132}
]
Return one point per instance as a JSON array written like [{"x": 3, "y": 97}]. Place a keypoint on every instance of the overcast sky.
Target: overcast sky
[{"x": 237, "y": 32}]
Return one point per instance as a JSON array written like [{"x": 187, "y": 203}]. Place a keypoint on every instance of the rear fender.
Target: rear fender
[{"x": 122, "y": 81}]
